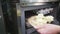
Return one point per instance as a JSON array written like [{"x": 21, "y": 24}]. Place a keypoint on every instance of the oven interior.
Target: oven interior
[{"x": 30, "y": 13}]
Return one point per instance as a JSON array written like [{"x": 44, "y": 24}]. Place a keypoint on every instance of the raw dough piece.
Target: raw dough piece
[{"x": 40, "y": 20}]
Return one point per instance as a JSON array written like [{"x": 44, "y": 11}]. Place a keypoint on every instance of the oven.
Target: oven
[{"x": 26, "y": 11}]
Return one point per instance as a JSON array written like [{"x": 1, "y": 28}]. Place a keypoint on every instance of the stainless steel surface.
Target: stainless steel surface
[
  {"x": 18, "y": 18},
  {"x": 32, "y": 4},
  {"x": 30, "y": 1},
  {"x": 35, "y": 2}
]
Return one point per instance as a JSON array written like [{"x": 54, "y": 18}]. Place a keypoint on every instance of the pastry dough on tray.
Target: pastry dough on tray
[{"x": 40, "y": 19}]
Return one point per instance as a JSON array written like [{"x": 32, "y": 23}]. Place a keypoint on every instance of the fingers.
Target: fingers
[
  {"x": 45, "y": 31},
  {"x": 38, "y": 27},
  {"x": 41, "y": 26},
  {"x": 44, "y": 26}
]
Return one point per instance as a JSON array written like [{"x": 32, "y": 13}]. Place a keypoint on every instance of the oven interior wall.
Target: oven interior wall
[{"x": 58, "y": 14}]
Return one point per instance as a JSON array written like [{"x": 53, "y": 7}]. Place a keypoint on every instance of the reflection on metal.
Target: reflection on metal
[
  {"x": 32, "y": 4},
  {"x": 18, "y": 17},
  {"x": 0, "y": 16},
  {"x": 18, "y": 10},
  {"x": 35, "y": 2},
  {"x": 39, "y": 0}
]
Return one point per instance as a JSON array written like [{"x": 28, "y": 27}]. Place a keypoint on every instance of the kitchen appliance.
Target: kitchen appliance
[{"x": 24, "y": 11}]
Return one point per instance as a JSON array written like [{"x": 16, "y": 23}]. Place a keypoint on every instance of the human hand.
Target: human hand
[{"x": 48, "y": 29}]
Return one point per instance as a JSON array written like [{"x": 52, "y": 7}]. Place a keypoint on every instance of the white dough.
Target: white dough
[{"x": 40, "y": 19}]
